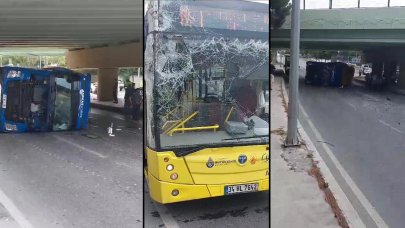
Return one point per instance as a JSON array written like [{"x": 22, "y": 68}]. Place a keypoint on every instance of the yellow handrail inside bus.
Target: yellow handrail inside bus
[
  {"x": 229, "y": 114},
  {"x": 194, "y": 128},
  {"x": 171, "y": 112},
  {"x": 169, "y": 121},
  {"x": 170, "y": 133}
]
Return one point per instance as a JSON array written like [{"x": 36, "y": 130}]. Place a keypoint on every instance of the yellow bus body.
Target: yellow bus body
[{"x": 196, "y": 180}]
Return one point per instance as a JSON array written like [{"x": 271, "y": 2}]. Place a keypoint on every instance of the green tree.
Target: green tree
[
  {"x": 33, "y": 61},
  {"x": 279, "y": 10}
]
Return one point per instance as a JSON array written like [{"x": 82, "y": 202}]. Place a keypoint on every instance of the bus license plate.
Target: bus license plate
[{"x": 242, "y": 188}]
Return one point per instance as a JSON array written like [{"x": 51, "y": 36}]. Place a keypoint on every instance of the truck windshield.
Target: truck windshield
[{"x": 63, "y": 105}]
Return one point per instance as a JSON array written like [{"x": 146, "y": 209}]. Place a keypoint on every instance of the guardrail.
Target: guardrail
[{"x": 340, "y": 4}]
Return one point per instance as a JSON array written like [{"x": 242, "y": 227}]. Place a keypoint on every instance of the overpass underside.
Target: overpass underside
[
  {"x": 378, "y": 32},
  {"x": 333, "y": 39},
  {"x": 355, "y": 29}
]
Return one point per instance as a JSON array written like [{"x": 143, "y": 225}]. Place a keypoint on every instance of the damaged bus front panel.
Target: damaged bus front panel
[{"x": 43, "y": 100}]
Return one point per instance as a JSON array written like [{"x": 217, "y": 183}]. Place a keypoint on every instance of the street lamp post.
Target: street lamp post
[{"x": 292, "y": 131}]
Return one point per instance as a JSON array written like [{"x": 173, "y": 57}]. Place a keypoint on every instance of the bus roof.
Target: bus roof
[{"x": 57, "y": 69}]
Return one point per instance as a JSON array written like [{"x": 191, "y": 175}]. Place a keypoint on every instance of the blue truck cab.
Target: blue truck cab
[{"x": 40, "y": 100}]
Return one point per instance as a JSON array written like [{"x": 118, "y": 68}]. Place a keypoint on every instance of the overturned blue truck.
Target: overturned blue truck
[
  {"x": 54, "y": 99},
  {"x": 336, "y": 74}
]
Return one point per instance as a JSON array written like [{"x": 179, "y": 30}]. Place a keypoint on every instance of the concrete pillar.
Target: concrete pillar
[
  {"x": 401, "y": 81},
  {"x": 390, "y": 68},
  {"x": 106, "y": 81},
  {"x": 106, "y": 57},
  {"x": 377, "y": 68}
]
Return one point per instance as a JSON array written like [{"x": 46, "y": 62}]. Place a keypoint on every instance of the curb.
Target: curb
[{"x": 344, "y": 204}]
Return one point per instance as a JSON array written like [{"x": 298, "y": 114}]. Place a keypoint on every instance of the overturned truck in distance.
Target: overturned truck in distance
[
  {"x": 335, "y": 74},
  {"x": 41, "y": 100}
]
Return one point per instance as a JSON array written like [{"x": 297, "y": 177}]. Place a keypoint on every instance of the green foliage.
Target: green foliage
[
  {"x": 33, "y": 61},
  {"x": 279, "y": 10},
  {"x": 328, "y": 54},
  {"x": 125, "y": 73},
  {"x": 319, "y": 54}
]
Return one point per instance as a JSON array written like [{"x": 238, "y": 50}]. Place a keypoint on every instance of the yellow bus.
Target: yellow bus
[{"x": 206, "y": 72}]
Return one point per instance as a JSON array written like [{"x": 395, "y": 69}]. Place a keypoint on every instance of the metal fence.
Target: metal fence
[{"x": 341, "y": 4}]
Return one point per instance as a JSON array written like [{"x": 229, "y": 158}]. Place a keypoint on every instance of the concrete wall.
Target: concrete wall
[{"x": 127, "y": 55}]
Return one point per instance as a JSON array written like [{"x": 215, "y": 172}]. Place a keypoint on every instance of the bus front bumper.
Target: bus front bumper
[{"x": 162, "y": 192}]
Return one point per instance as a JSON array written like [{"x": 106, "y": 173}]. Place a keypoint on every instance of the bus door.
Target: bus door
[
  {"x": 70, "y": 102},
  {"x": 39, "y": 107}
]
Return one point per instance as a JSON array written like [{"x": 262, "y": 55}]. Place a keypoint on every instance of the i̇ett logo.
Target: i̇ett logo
[
  {"x": 242, "y": 159},
  {"x": 210, "y": 163}
]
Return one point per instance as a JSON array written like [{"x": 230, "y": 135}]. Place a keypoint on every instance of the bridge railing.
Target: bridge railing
[{"x": 344, "y": 4}]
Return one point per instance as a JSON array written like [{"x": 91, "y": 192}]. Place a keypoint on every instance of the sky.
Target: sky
[{"x": 320, "y": 4}]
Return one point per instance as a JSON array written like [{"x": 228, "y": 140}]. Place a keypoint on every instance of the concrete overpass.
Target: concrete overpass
[
  {"x": 378, "y": 32},
  {"x": 357, "y": 28},
  {"x": 99, "y": 34}
]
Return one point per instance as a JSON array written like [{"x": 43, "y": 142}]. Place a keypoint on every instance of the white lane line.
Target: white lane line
[
  {"x": 355, "y": 189},
  {"x": 80, "y": 147},
  {"x": 119, "y": 118},
  {"x": 113, "y": 116},
  {"x": 14, "y": 212},
  {"x": 167, "y": 218},
  {"x": 123, "y": 164},
  {"x": 165, "y": 215},
  {"x": 352, "y": 105},
  {"x": 344, "y": 203},
  {"x": 389, "y": 125},
  {"x": 133, "y": 132}
]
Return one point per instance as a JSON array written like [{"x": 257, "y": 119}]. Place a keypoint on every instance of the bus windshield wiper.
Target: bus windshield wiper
[
  {"x": 183, "y": 152},
  {"x": 248, "y": 137}
]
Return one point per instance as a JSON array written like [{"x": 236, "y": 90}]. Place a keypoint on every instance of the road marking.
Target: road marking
[
  {"x": 165, "y": 215},
  {"x": 389, "y": 125},
  {"x": 114, "y": 115},
  {"x": 344, "y": 203},
  {"x": 118, "y": 117},
  {"x": 133, "y": 132},
  {"x": 80, "y": 147},
  {"x": 123, "y": 164},
  {"x": 167, "y": 218},
  {"x": 352, "y": 105},
  {"x": 352, "y": 185},
  {"x": 14, "y": 212}
]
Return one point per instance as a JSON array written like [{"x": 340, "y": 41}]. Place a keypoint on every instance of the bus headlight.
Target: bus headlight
[
  {"x": 169, "y": 167},
  {"x": 175, "y": 192},
  {"x": 174, "y": 176}
]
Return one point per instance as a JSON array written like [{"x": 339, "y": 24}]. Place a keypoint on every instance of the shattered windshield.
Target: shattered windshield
[
  {"x": 63, "y": 105},
  {"x": 199, "y": 90}
]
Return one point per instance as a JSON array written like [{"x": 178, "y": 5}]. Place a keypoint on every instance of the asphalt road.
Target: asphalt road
[
  {"x": 238, "y": 211},
  {"x": 76, "y": 179},
  {"x": 365, "y": 130}
]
